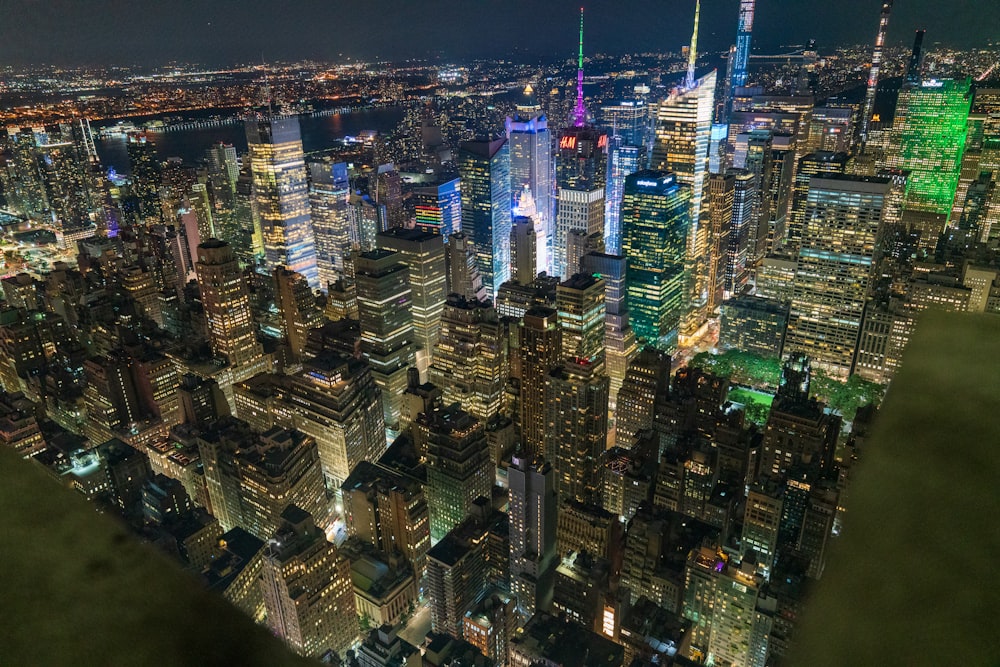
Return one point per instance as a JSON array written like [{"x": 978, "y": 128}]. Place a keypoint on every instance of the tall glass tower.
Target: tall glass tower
[
  {"x": 655, "y": 231},
  {"x": 532, "y": 173},
  {"x": 281, "y": 195},
  {"x": 486, "y": 211},
  {"x": 623, "y": 160}
]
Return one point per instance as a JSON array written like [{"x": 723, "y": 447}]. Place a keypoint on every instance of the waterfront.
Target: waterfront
[{"x": 318, "y": 134}]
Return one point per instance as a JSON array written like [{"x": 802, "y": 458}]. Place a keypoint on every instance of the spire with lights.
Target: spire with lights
[
  {"x": 580, "y": 112},
  {"x": 693, "y": 54}
]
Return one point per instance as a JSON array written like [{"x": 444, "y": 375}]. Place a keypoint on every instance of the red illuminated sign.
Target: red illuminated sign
[
  {"x": 567, "y": 143},
  {"x": 603, "y": 141}
]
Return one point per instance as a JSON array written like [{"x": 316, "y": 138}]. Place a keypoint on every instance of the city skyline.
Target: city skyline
[{"x": 83, "y": 35}]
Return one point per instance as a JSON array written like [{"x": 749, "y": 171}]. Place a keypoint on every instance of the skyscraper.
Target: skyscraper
[
  {"x": 682, "y": 136},
  {"x": 423, "y": 253},
  {"x": 524, "y": 251},
  {"x": 931, "y": 126},
  {"x": 532, "y": 175},
  {"x": 458, "y": 467},
  {"x": 385, "y": 301},
  {"x": 741, "y": 55},
  {"x": 226, "y": 300},
  {"x": 533, "y": 557},
  {"x": 655, "y": 233},
  {"x": 540, "y": 348},
  {"x": 869, "y": 107},
  {"x": 328, "y": 192},
  {"x": 298, "y": 308},
  {"x": 623, "y": 160},
  {"x": 486, "y": 211},
  {"x": 843, "y": 217},
  {"x": 307, "y": 588},
  {"x": 281, "y": 194},
  {"x": 581, "y": 165},
  {"x": 438, "y": 207}
]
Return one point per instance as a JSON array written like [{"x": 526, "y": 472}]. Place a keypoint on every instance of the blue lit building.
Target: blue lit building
[
  {"x": 484, "y": 166},
  {"x": 438, "y": 207},
  {"x": 532, "y": 179},
  {"x": 623, "y": 159}
]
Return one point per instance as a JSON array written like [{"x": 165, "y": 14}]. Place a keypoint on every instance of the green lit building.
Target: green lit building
[
  {"x": 655, "y": 222},
  {"x": 930, "y": 127}
]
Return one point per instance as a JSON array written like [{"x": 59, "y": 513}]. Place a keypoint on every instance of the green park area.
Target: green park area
[{"x": 764, "y": 375}]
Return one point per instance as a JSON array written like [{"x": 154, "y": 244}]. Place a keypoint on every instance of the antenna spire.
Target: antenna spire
[
  {"x": 693, "y": 54},
  {"x": 580, "y": 112}
]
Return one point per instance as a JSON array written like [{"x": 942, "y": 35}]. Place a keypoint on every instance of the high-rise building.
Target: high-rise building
[
  {"x": 226, "y": 299},
  {"x": 721, "y": 196},
  {"x": 843, "y": 218},
  {"x": 471, "y": 361},
  {"x": 458, "y": 467},
  {"x": 581, "y": 165},
  {"x": 251, "y": 478},
  {"x": 682, "y": 136},
  {"x": 541, "y": 349},
  {"x": 532, "y": 177},
  {"x": 146, "y": 175},
  {"x": 334, "y": 400},
  {"x": 580, "y": 304},
  {"x": 655, "y": 233},
  {"x": 486, "y": 211},
  {"x": 620, "y": 346},
  {"x": 740, "y": 57},
  {"x": 387, "y": 336},
  {"x": 307, "y": 588},
  {"x": 623, "y": 160},
  {"x": 423, "y": 253},
  {"x": 533, "y": 557},
  {"x": 813, "y": 164},
  {"x": 387, "y": 186},
  {"x": 463, "y": 277},
  {"x": 868, "y": 110},
  {"x": 931, "y": 126},
  {"x": 329, "y": 189},
  {"x": 298, "y": 308},
  {"x": 646, "y": 382},
  {"x": 281, "y": 195},
  {"x": 524, "y": 250},
  {"x": 438, "y": 207}
]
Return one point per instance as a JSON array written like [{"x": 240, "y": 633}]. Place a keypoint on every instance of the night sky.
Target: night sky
[{"x": 98, "y": 32}]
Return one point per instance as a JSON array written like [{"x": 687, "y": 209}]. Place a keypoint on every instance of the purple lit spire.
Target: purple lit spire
[{"x": 580, "y": 111}]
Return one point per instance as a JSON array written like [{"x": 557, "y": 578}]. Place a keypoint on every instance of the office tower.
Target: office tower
[
  {"x": 456, "y": 575},
  {"x": 298, "y": 308},
  {"x": 532, "y": 177},
  {"x": 682, "y": 133},
  {"x": 817, "y": 528},
  {"x": 463, "y": 277},
  {"x": 753, "y": 324},
  {"x": 759, "y": 162},
  {"x": 329, "y": 189},
  {"x": 387, "y": 187},
  {"x": 830, "y": 288},
  {"x": 760, "y": 524},
  {"x": 387, "y": 336},
  {"x": 223, "y": 172},
  {"x": 65, "y": 177},
  {"x": 251, "y": 478},
  {"x": 438, "y": 207},
  {"x": 533, "y": 560},
  {"x": 281, "y": 195},
  {"x": 721, "y": 245},
  {"x": 524, "y": 250},
  {"x": 916, "y": 62},
  {"x": 740, "y": 57},
  {"x": 655, "y": 233},
  {"x": 623, "y": 160},
  {"x": 471, "y": 362},
  {"x": 931, "y": 126},
  {"x": 576, "y": 414},
  {"x": 389, "y": 510},
  {"x": 458, "y": 467},
  {"x": 334, "y": 400},
  {"x": 813, "y": 164},
  {"x": 581, "y": 309},
  {"x": 423, "y": 253},
  {"x": 733, "y": 617},
  {"x": 629, "y": 120},
  {"x": 620, "y": 346},
  {"x": 146, "y": 175},
  {"x": 365, "y": 219},
  {"x": 307, "y": 588},
  {"x": 201, "y": 400},
  {"x": 581, "y": 213},
  {"x": 646, "y": 382},
  {"x": 202, "y": 208},
  {"x": 868, "y": 110},
  {"x": 486, "y": 211},
  {"x": 226, "y": 300},
  {"x": 540, "y": 349}
]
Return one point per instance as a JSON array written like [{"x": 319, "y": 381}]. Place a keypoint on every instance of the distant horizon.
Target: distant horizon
[{"x": 101, "y": 33}]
